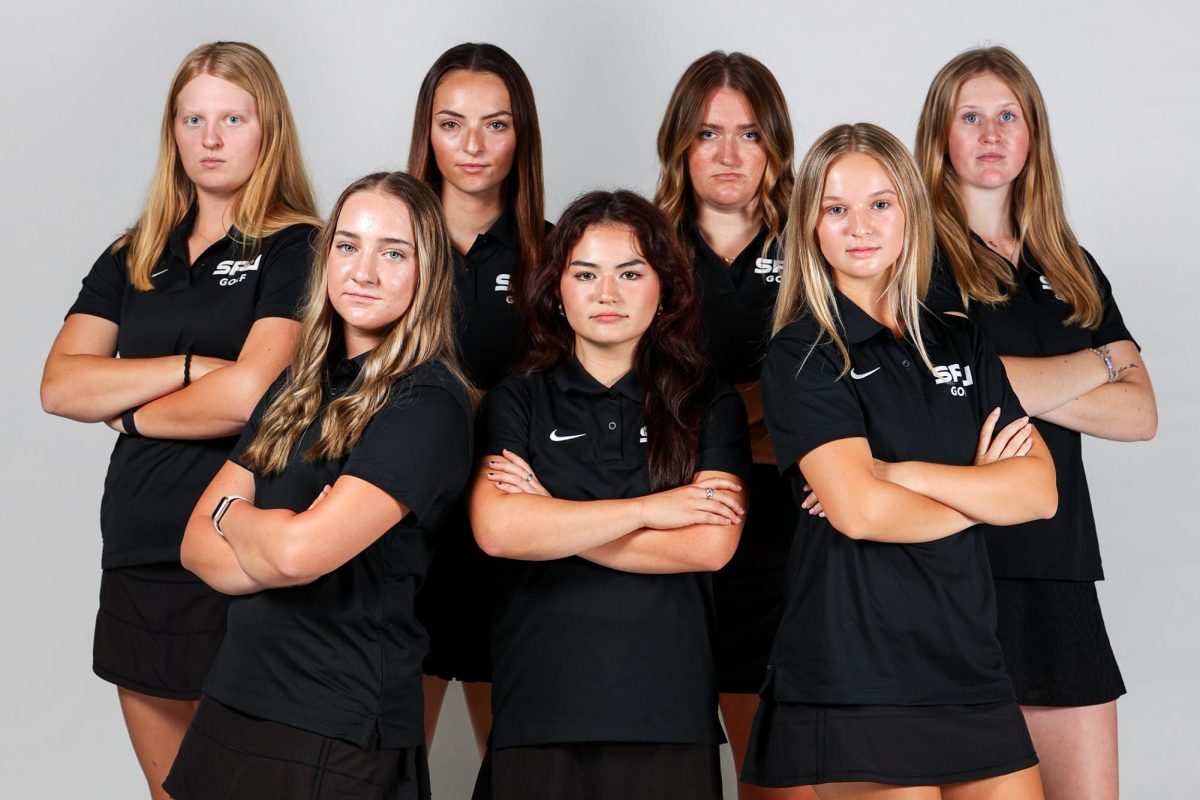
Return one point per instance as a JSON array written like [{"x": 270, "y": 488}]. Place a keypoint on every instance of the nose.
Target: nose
[
  {"x": 472, "y": 141},
  {"x": 859, "y": 223},
  {"x": 211, "y": 136},
  {"x": 989, "y": 131},
  {"x": 607, "y": 290},
  {"x": 729, "y": 151},
  {"x": 362, "y": 269}
]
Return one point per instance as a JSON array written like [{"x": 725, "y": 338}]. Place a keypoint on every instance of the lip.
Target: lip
[
  {"x": 472, "y": 169},
  {"x": 728, "y": 176},
  {"x": 359, "y": 296},
  {"x": 862, "y": 252},
  {"x": 212, "y": 162},
  {"x": 608, "y": 318},
  {"x": 991, "y": 158}
]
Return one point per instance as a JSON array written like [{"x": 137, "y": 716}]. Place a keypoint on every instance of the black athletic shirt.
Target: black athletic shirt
[
  {"x": 1064, "y": 547},
  {"x": 581, "y": 652},
  {"x": 869, "y": 622},
  {"x": 738, "y": 303},
  {"x": 208, "y": 309},
  {"x": 341, "y": 656}
]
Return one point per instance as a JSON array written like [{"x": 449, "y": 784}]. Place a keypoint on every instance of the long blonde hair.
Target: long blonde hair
[
  {"x": 276, "y": 196},
  {"x": 1036, "y": 201},
  {"x": 807, "y": 285},
  {"x": 681, "y": 124},
  {"x": 424, "y": 333}
]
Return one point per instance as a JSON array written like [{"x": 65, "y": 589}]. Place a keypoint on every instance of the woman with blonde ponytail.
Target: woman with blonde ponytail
[
  {"x": 179, "y": 327},
  {"x": 1012, "y": 263},
  {"x": 321, "y": 523}
]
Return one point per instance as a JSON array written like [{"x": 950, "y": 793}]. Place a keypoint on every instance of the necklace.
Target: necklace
[{"x": 1009, "y": 252}]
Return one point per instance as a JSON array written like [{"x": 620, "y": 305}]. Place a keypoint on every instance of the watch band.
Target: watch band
[{"x": 223, "y": 506}]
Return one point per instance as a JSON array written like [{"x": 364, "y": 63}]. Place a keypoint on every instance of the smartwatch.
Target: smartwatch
[{"x": 222, "y": 507}]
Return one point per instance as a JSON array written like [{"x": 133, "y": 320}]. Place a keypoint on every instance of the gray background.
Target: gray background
[{"x": 82, "y": 87}]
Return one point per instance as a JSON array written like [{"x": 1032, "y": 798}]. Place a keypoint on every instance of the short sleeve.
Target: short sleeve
[
  {"x": 255, "y": 420},
  {"x": 724, "y": 441},
  {"x": 806, "y": 401},
  {"x": 504, "y": 418},
  {"x": 1112, "y": 324},
  {"x": 284, "y": 273},
  {"x": 994, "y": 389},
  {"x": 943, "y": 292},
  {"x": 417, "y": 448},
  {"x": 103, "y": 288}
]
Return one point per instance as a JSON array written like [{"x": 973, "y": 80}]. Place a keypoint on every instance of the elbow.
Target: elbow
[
  {"x": 292, "y": 565},
  {"x": 722, "y": 550},
  {"x": 1049, "y": 505},
  {"x": 54, "y": 398},
  {"x": 492, "y": 542},
  {"x": 855, "y": 523},
  {"x": 1149, "y": 426}
]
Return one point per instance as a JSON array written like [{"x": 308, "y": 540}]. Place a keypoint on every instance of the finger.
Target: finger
[
  {"x": 720, "y": 509},
  {"x": 1017, "y": 441},
  {"x": 511, "y": 470},
  {"x": 817, "y": 510},
  {"x": 719, "y": 483},
  {"x": 1005, "y": 435},
  {"x": 1025, "y": 448},
  {"x": 516, "y": 459},
  {"x": 985, "y": 433},
  {"x": 507, "y": 488},
  {"x": 726, "y": 499}
]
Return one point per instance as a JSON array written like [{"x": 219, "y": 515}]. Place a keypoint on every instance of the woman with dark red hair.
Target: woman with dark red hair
[{"x": 612, "y": 486}]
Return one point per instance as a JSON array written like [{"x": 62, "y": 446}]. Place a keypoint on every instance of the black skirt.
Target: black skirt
[
  {"x": 750, "y": 591},
  {"x": 1055, "y": 644},
  {"x": 601, "y": 771},
  {"x": 794, "y": 744},
  {"x": 228, "y": 755},
  {"x": 157, "y": 630}
]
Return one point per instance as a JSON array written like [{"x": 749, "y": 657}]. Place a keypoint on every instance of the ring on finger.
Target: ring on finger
[
  {"x": 708, "y": 493},
  {"x": 529, "y": 477}
]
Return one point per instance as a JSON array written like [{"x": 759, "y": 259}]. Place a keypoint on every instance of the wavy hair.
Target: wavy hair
[
  {"x": 523, "y": 187},
  {"x": 424, "y": 333},
  {"x": 1035, "y": 203},
  {"x": 807, "y": 286},
  {"x": 684, "y": 118},
  {"x": 278, "y": 192},
  {"x": 670, "y": 367}
]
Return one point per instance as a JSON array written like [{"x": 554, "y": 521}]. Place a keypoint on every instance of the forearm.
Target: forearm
[
  {"x": 531, "y": 527},
  {"x": 887, "y": 512},
  {"x": 1005, "y": 492},
  {"x": 1045, "y": 383},
  {"x": 1123, "y": 411},
  {"x": 696, "y": 548},
  {"x": 213, "y": 406},
  {"x": 211, "y": 558},
  {"x": 265, "y": 542},
  {"x": 92, "y": 388}
]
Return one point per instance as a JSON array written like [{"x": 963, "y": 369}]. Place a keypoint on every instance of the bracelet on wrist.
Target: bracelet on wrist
[
  {"x": 128, "y": 423},
  {"x": 1103, "y": 353},
  {"x": 187, "y": 368},
  {"x": 222, "y": 508}
]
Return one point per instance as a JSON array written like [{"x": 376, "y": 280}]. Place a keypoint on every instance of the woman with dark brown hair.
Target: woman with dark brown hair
[
  {"x": 611, "y": 486},
  {"x": 476, "y": 142},
  {"x": 725, "y": 146}
]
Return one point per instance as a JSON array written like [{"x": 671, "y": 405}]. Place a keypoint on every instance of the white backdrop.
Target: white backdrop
[{"x": 82, "y": 86}]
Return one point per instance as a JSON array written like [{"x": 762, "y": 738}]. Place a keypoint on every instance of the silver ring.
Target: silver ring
[
  {"x": 529, "y": 478},
  {"x": 708, "y": 493}
]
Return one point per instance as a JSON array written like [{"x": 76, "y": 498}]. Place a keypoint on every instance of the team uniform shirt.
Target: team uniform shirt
[
  {"x": 738, "y": 304},
  {"x": 1030, "y": 324},
  {"x": 341, "y": 656},
  {"x": 581, "y": 652},
  {"x": 206, "y": 309},
  {"x": 869, "y": 622}
]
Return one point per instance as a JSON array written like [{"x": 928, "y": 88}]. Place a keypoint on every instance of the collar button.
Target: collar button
[{"x": 612, "y": 426}]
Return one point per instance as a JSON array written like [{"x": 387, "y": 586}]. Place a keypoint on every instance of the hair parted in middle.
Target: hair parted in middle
[
  {"x": 1035, "y": 201},
  {"x": 670, "y": 367},
  {"x": 523, "y": 188},
  {"x": 808, "y": 285},
  {"x": 682, "y": 122},
  {"x": 424, "y": 333}
]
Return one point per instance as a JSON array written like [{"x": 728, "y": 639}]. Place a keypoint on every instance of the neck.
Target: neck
[
  {"x": 606, "y": 364},
  {"x": 871, "y": 295},
  {"x": 989, "y": 212},
  {"x": 728, "y": 230},
  {"x": 212, "y": 216},
  {"x": 358, "y": 342},
  {"x": 468, "y": 215}
]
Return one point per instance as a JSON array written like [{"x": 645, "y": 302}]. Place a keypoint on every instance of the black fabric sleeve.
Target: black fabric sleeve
[
  {"x": 504, "y": 417},
  {"x": 1112, "y": 324},
  {"x": 943, "y": 293},
  {"x": 103, "y": 288},
  {"x": 994, "y": 388},
  {"x": 724, "y": 440},
  {"x": 417, "y": 448},
  {"x": 806, "y": 402},
  {"x": 252, "y": 424},
  {"x": 286, "y": 264}
]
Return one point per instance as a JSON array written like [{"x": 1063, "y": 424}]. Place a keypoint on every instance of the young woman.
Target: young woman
[
  {"x": 1015, "y": 267},
  {"x": 322, "y": 522},
  {"x": 725, "y": 146},
  {"x": 612, "y": 481},
  {"x": 180, "y": 326},
  {"x": 476, "y": 141},
  {"x": 886, "y": 672}
]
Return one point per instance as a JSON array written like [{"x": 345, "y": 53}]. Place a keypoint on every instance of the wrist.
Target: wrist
[
  {"x": 129, "y": 424},
  {"x": 221, "y": 512},
  {"x": 1106, "y": 358}
]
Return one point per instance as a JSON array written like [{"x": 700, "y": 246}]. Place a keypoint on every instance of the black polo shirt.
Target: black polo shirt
[
  {"x": 1064, "y": 547},
  {"x": 738, "y": 304},
  {"x": 870, "y": 622},
  {"x": 208, "y": 309},
  {"x": 581, "y": 652},
  {"x": 485, "y": 321},
  {"x": 341, "y": 656}
]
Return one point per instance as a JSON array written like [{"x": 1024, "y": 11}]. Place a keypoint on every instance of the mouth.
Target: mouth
[
  {"x": 212, "y": 162},
  {"x": 991, "y": 158},
  {"x": 358, "y": 296},
  {"x": 607, "y": 318},
  {"x": 728, "y": 176},
  {"x": 472, "y": 169},
  {"x": 862, "y": 252}
]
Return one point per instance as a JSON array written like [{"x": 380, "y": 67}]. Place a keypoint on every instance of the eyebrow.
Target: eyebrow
[
  {"x": 447, "y": 112},
  {"x": 357, "y": 238},
  {"x": 1005, "y": 104},
  {"x": 872, "y": 194},
  {"x": 633, "y": 263},
  {"x": 743, "y": 127}
]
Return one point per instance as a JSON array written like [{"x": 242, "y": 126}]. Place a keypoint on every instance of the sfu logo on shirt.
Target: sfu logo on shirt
[
  {"x": 235, "y": 271},
  {"x": 502, "y": 281},
  {"x": 772, "y": 268},
  {"x": 957, "y": 376},
  {"x": 1042, "y": 279}
]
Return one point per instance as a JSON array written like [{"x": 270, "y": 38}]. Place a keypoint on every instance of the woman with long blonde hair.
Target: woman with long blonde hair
[
  {"x": 886, "y": 677},
  {"x": 321, "y": 523},
  {"x": 1014, "y": 266},
  {"x": 179, "y": 327},
  {"x": 725, "y": 149}
]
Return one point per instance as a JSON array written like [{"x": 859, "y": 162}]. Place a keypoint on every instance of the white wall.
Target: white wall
[{"x": 81, "y": 92}]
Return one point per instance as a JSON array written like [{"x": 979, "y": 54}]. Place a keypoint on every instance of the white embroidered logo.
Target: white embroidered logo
[
  {"x": 642, "y": 435},
  {"x": 160, "y": 272},
  {"x": 1046, "y": 285},
  {"x": 858, "y": 376},
  {"x": 554, "y": 437},
  {"x": 502, "y": 281},
  {"x": 958, "y": 376},
  {"x": 236, "y": 270},
  {"x": 771, "y": 267}
]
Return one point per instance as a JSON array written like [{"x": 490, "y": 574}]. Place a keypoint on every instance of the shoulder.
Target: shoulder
[
  {"x": 804, "y": 337},
  {"x": 293, "y": 237},
  {"x": 430, "y": 380}
]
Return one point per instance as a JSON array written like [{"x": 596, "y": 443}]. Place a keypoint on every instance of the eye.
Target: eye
[
  {"x": 234, "y": 119},
  {"x": 1007, "y": 116},
  {"x": 498, "y": 125},
  {"x": 584, "y": 275},
  {"x": 393, "y": 255},
  {"x": 191, "y": 120},
  {"x": 881, "y": 205},
  {"x": 750, "y": 136},
  {"x": 707, "y": 135},
  {"x": 835, "y": 211},
  {"x": 448, "y": 124},
  {"x": 630, "y": 275},
  {"x": 970, "y": 118},
  {"x": 344, "y": 247}
]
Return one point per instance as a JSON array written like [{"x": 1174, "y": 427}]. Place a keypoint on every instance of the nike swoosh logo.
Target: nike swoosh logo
[
  {"x": 554, "y": 437},
  {"x": 160, "y": 272},
  {"x": 859, "y": 377}
]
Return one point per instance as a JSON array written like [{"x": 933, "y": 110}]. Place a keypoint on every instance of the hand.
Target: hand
[
  {"x": 693, "y": 504},
  {"x": 324, "y": 493},
  {"x": 1015, "y": 439},
  {"x": 513, "y": 475},
  {"x": 812, "y": 504},
  {"x": 202, "y": 365}
]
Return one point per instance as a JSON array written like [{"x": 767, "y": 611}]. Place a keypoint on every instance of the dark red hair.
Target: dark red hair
[{"x": 670, "y": 367}]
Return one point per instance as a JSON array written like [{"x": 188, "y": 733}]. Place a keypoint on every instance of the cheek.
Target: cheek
[
  {"x": 443, "y": 148},
  {"x": 506, "y": 150},
  {"x": 956, "y": 148},
  {"x": 756, "y": 162}
]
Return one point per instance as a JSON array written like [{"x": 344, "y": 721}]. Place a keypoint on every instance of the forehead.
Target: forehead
[
  {"x": 985, "y": 88},
  {"x": 205, "y": 89},
  {"x": 375, "y": 213},
  {"x": 854, "y": 174},
  {"x": 463, "y": 87},
  {"x": 727, "y": 104},
  {"x": 609, "y": 242}
]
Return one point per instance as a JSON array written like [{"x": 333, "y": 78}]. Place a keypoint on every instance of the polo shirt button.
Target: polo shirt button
[
  {"x": 612, "y": 392},
  {"x": 904, "y": 363},
  {"x": 612, "y": 426}
]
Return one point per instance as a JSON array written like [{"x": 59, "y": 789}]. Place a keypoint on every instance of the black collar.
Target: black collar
[
  {"x": 858, "y": 324},
  {"x": 572, "y": 377},
  {"x": 177, "y": 241}
]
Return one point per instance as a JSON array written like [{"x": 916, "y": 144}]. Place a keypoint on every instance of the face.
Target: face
[
  {"x": 609, "y": 293},
  {"x": 472, "y": 132},
  {"x": 219, "y": 134},
  {"x": 372, "y": 268},
  {"x": 989, "y": 137},
  {"x": 861, "y": 224},
  {"x": 727, "y": 160}
]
